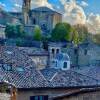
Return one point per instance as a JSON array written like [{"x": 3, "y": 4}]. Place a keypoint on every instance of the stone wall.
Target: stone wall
[
  {"x": 40, "y": 61},
  {"x": 85, "y": 96},
  {"x": 2, "y": 31},
  {"x": 4, "y": 96},
  {"x": 89, "y": 56},
  {"x": 52, "y": 93},
  {"x": 26, "y": 94}
]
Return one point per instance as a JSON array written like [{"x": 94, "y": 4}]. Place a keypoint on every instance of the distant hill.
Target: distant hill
[{"x": 5, "y": 18}]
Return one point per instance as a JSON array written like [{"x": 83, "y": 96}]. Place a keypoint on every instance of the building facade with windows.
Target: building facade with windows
[
  {"x": 17, "y": 67},
  {"x": 44, "y": 17}
]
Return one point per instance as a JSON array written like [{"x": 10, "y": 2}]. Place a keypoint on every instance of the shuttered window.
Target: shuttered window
[{"x": 39, "y": 98}]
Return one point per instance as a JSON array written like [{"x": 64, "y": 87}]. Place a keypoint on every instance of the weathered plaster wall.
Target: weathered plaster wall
[{"x": 4, "y": 96}]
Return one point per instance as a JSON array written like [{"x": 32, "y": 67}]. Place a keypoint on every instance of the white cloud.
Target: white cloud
[
  {"x": 73, "y": 13},
  {"x": 93, "y": 23},
  {"x": 72, "y": 10},
  {"x": 34, "y": 4},
  {"x": 2, "y": 5},
  {"x": 84, "y": 4},
  {"x": 38, "y": 3},
  {"x": 17, "y": 8},
  {"x": 17, "y": 5}
]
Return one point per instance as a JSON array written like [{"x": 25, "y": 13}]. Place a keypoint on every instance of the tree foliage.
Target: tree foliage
[
  {"x": 14, "y": 31},
  {"x": 62, "y": 32},
  {"x": 37, "y": 33},
  {"x": 82, "y": 32},
  {"x": 96, "y": 38},
  {"x": 3, "y": 88},
  {"x": 75, "y": 37}
]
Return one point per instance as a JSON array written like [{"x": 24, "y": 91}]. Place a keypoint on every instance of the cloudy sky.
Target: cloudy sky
[{"x": 74, "y": 11}]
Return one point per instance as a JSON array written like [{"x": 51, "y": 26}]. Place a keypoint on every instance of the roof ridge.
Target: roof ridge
[{"x": 53, "y": 76}]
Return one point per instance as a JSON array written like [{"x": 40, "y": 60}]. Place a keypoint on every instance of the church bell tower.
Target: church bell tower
[{"x": 25, "y": 9}]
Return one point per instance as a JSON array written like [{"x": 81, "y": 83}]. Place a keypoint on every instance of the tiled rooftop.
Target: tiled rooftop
[
  {"x": 31, "y": 51},
  {"x": 69, "y": 78},
  {"x": 91, "y": 71},
  {"x": 23, "y": 73}
]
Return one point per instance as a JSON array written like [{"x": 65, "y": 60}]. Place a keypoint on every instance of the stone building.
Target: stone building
[
  {"x": 57, "y": 58},
  {"x": 2, "y": 31},
  {"x": 65, "y": 58},
  {"x": 39, "y": 56},
  {"x": 19, "y": 68},
  {"x": 44, "y": 17},
  {"x": 6, "y": 17},
  {"x": 89, "y": 55}
]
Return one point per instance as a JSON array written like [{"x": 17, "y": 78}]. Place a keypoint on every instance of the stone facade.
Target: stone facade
[
  {"x": 83, "y": 96},
  {"x": 5, "y": 96},
  {"x": 40, "y": 61},
  {"x": 2, "y": 31},
  {"x": 83, "y": 55},
  {"x": 89, "y": 55},
  {"x": 59, "y": 94},
  {"x": 46, "y": 18},
  {"x": 6, "y": 17},
  {"x": 40, "y": 92}
]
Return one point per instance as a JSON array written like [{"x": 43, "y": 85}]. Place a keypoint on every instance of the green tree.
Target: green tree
[
  {"x": 18, "y": 42},
  {"x": 62, "y": 32},
  {"x": 37, "y": 33},
  {"x": 75, "y": 37},
  {"x": 3, "y": 88},
  {"x": 82, "y": 32},
  {"x": 20, "y": 31},
  {"x": 10, "y": 30},
  {"x": 14, "y": 31},
  {"x": 96, "y": 38}
]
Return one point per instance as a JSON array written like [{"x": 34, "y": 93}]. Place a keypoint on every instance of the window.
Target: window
[
  {"x": 44, "y": 27},
  {"x": 39, "y": 98},
  {"x": 65, "y": 65},
  {"x": 85, "y": 52},
  {"x": 7, "y": 67},
  {"x": 76, "y": 51},
  {"x": 19, "y": 69},
  {"x": 57, "y": 51},
  {"x": 53, "y": 51},
  {"x": 34, "y": 21}
]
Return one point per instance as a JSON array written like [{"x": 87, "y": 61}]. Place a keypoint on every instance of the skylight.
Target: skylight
[
  {"x": 19, "y": 69},
  {"x": 7, "y": 67}
]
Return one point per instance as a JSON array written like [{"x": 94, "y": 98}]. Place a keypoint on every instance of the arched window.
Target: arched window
[
  {"x": 75, "y": 51},
  {"x": 65, "y": 65},
  {"x": 53, "y": 51},
  {"x": 57, "y": 51},
  {"x": 85, "y": 52}
]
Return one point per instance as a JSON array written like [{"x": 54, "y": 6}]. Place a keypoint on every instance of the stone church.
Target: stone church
[{"x": 43, "y": 16}]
